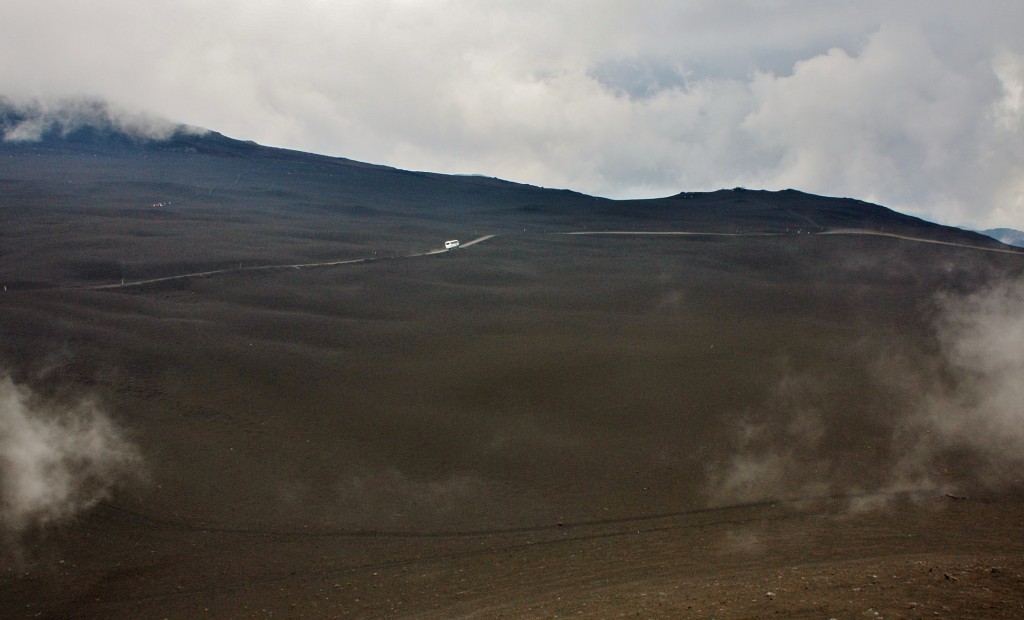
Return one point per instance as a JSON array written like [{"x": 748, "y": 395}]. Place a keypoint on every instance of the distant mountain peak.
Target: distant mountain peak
[{"x": 1009, "y": 236}]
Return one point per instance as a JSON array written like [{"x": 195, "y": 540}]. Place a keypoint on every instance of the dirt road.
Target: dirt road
[
  {"x": 240, "y": 269},
  {"x": 838, "y": 231}
]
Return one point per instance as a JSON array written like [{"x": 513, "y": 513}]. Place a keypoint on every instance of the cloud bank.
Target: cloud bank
[
  {"x": 56, "y": 462},
  {"x": 34, "y": 120},
  {"x": 918, "y": 105}
]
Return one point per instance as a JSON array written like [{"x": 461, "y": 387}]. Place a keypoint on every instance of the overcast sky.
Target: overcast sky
[{"x": 918, "y": 105}]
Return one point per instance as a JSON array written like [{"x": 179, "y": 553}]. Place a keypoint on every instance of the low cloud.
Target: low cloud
[
  {"x": 32, "y": 120},
  {"x": 56, "y": 461}
]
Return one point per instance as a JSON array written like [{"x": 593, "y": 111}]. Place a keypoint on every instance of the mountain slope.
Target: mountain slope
[
  {"x": 1008, "y": 236},
  {"x": 540, "y": 423},
  {"x": 236, "y": 202}
]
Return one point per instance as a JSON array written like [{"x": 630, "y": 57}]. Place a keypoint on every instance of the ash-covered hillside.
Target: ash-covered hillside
[
  {"x": 131, "y": 192},
  {"x": 237, "y": 379}
]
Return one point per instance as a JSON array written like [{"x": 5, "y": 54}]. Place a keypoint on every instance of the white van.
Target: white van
[{"x": 454, "y": 243}]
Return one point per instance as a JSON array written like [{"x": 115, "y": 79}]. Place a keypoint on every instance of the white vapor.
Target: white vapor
[
  {"x": 781, "y": 456},
  {"x": 954, "y": 423},
  {"x": 56, "y": 462},
  {"x": 37, "y": 118},
  {"x": 982, "y": 409},
  {"x": 918, "y": 105}
]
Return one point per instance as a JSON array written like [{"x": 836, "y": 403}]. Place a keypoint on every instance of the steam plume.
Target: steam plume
[
  {"x": 955, "y": 420},
  {"x": 56, "y": 462},
  {"x": 981, "y": 408}
]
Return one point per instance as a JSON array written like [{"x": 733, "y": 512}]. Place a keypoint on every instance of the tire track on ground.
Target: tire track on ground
[
  {"x": 302, "y": 576},
  {"x": 197, "y": 525}
]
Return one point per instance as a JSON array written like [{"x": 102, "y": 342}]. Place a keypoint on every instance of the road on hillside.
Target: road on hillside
[
  {"x": 837, "y": 231},
  {"x": 875, "y": 233},
  {"x": 213, "y": 272},
  {"x": 443, "y": 250},
  {"x": 481, "y": 239},
  {"x": 673, "y": 233}
]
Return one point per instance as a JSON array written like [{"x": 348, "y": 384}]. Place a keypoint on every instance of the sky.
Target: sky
[{"x": 914, "y": 104}]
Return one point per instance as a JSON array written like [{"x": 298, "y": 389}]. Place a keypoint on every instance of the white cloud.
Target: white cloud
[
  {"x": 915, "y": 104},
  {"x": 66, "y": 115},
  {"x": 891, "y": 123}
]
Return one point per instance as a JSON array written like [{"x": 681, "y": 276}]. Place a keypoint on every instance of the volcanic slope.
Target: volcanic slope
[
  {"x": 761, "y": 420},
  {"x": 125, "y": 207}
]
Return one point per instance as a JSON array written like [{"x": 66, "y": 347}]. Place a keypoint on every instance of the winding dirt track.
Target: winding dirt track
[
  {"x": 640, "y": 233},
  {"x": 213, "y": 272},
  {"x": 837, "y": 231},
  {"x": 873, "y": 233},
  {"x": 671, "y": 233}
]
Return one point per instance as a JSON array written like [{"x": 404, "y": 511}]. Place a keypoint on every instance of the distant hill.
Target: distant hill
[
  {"x": 134, "y": 190},
  {"x": 1009, "y": 236}
]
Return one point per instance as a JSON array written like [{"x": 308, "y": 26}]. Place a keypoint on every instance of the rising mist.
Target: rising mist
[
  {"x": 952, "y": 424},
  {"x": 57, "y": 461}
]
